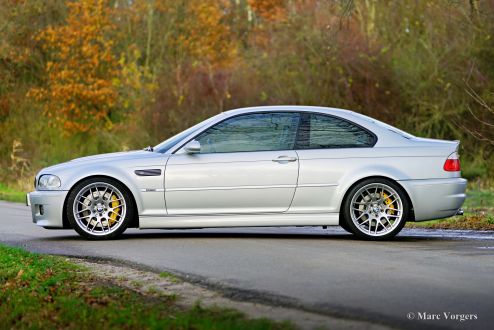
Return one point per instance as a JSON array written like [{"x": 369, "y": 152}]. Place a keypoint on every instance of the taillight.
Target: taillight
[{"x": 452, "y": 164}]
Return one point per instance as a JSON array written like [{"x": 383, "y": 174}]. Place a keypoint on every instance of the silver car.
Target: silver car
[{"x": 260, "y": 166}]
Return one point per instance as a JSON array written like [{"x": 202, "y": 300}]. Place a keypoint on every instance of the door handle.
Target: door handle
[{"x": 285, "y": 159}]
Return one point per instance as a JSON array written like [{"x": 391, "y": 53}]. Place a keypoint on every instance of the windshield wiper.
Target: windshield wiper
[{"x": 149, "y": 148}]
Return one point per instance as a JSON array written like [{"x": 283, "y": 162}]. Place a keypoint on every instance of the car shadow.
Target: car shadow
[{"x": 333, "y": 235}]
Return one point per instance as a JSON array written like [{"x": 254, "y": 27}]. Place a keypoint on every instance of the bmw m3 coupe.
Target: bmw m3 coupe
[{"x": 260, "y": 166}]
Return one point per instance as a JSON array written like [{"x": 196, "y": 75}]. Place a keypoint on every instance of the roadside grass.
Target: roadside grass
[
  {"x": 11, "y": 195},
  {"x": 469, "y": 221},
  {"x": 48, "y": 292},
  {"x": 479, "y": 199},
  {"x": 479, "y": 214},
  {"x": 169, "y": 276}
]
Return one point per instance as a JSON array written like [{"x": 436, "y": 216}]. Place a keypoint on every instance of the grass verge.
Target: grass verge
[
  {"x": 479, "y": 220},
  {"x": 11, "y": 195},
  {"x": 49, "y": 292}
]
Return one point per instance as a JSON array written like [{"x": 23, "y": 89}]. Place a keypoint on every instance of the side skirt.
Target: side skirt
[{"x": 240, "y": 220}]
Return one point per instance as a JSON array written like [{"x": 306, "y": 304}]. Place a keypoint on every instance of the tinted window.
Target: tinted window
[
  {"x": 320, "y": 132},
  {"x": 252, "y": 132}
]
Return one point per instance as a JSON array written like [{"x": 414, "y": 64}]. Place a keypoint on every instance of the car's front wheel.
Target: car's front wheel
[
  {"x": 100, "y": 208},
  {"x": 376, "y": 209}
]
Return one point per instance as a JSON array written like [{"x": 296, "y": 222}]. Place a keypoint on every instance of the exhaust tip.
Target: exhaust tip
[{"x": 460, "y": 212}]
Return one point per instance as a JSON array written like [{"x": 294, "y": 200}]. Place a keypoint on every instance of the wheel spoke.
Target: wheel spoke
[
  {"x": 95, "y": 223},
  {"x": 360, "y": 216},
  {"x": 384, "y": 227},
  {"x": 369, "y": 194},
  {"x": 107, "y": 224},
  {"x": 389, "y": 196},
  {"x": 113, "y": 212},
  {"x": 104, "y": 193},
  {"x": 91, "y": 193},
  {"x": 387, "y": 220},
  {"x": 116, "y": 200}
]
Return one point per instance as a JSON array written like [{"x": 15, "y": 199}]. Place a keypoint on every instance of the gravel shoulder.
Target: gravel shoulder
[{"x": 188, "y": 295}]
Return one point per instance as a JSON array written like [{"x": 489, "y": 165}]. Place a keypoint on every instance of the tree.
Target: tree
[
  {"x": 203, "y": 35},
  {"x": 271, "y": 10},
  {"x": 82, "y": 72},
  {"x": 482, "y": 113}
]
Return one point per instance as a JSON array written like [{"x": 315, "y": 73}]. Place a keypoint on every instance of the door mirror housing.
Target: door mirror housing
[{"x": 193, "y": 147}]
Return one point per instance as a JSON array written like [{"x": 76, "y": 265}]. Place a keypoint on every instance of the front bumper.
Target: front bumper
[
  {"x": 435, "y": 198},
  {"x": 47, "y": 207}
]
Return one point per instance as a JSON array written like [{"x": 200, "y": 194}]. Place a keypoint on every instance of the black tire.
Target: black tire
[
  {"x": 344, "y": 225},
  {"x": 123, "y": 221},
  {"x": 358, "y": 231}
]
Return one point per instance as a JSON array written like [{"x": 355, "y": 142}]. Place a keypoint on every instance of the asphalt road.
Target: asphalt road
[{"x": 421, "y": 272}]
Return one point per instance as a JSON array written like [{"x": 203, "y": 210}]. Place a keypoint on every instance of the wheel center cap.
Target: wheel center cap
[
  {"x": 375, "y": 209},
  {"x": 100, "y": 207}
]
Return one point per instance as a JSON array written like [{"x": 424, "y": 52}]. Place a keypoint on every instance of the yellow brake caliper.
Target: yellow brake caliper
[
  {"x": 114, "y": 204},
  {"x": 389, "y": 203}
]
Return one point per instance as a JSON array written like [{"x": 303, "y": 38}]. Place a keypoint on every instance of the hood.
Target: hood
[
  {"x": 104, "y": 158},
  {"x": 122, "y": 154}
]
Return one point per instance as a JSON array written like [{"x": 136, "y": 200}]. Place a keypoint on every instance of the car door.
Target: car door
[
  {"x": 246, "y": 164},
  {"x": 330, "y": 149}
]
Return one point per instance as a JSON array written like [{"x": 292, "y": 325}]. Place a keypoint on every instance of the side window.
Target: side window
[
  {"x": 322, "y": 132},
  {"x": 251, "y": 132}
]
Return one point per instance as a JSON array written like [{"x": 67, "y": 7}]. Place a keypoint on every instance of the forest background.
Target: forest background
[{"x": 93, "y": 76}]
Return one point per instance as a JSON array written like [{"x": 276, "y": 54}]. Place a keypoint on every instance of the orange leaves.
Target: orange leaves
[
  {"x": 271, "y": 10},
  {"x": 89, "y": 84},
  {"x": 205, "y": 37},
  {"x": 80, "y": 92}
]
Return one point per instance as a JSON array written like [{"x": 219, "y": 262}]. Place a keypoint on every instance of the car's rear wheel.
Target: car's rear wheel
[
  {"x": 100, "y": 208},
  {"x": 376, "y": 209}
]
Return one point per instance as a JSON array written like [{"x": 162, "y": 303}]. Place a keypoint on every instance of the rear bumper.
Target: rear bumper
[
  {"x": 47, "y": 207},
  {"x": 435, "y": 198}
]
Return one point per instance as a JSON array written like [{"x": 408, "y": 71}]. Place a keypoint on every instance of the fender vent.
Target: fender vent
[{"x": 150, "y": 172}]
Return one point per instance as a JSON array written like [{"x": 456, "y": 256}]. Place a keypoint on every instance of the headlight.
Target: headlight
[{"x": 49, "y": 182}]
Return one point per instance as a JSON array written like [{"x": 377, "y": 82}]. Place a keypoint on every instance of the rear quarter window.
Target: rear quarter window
[{"x": 318, "y": 131}]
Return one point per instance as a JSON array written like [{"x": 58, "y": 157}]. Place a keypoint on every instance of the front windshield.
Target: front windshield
[{"x": 169, "y": 143}]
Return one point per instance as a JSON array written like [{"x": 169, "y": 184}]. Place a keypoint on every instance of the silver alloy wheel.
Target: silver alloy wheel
[
  {"x": 99, "y": 208},
  {"x": 376, "y": 209}
]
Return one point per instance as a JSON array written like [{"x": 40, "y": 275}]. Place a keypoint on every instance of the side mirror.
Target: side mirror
[{"x": 193, "y": 147}]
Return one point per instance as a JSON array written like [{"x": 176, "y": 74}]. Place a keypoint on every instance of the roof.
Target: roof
[{"x": 297, "y": 108}]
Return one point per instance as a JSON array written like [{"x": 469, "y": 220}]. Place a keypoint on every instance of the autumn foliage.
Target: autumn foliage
[
  {"x": 81, "y": 77},
  {"x": 271, "y": 10},
  {"x": 204, "y": 35},
  {"x": 80, "y": 94}
]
